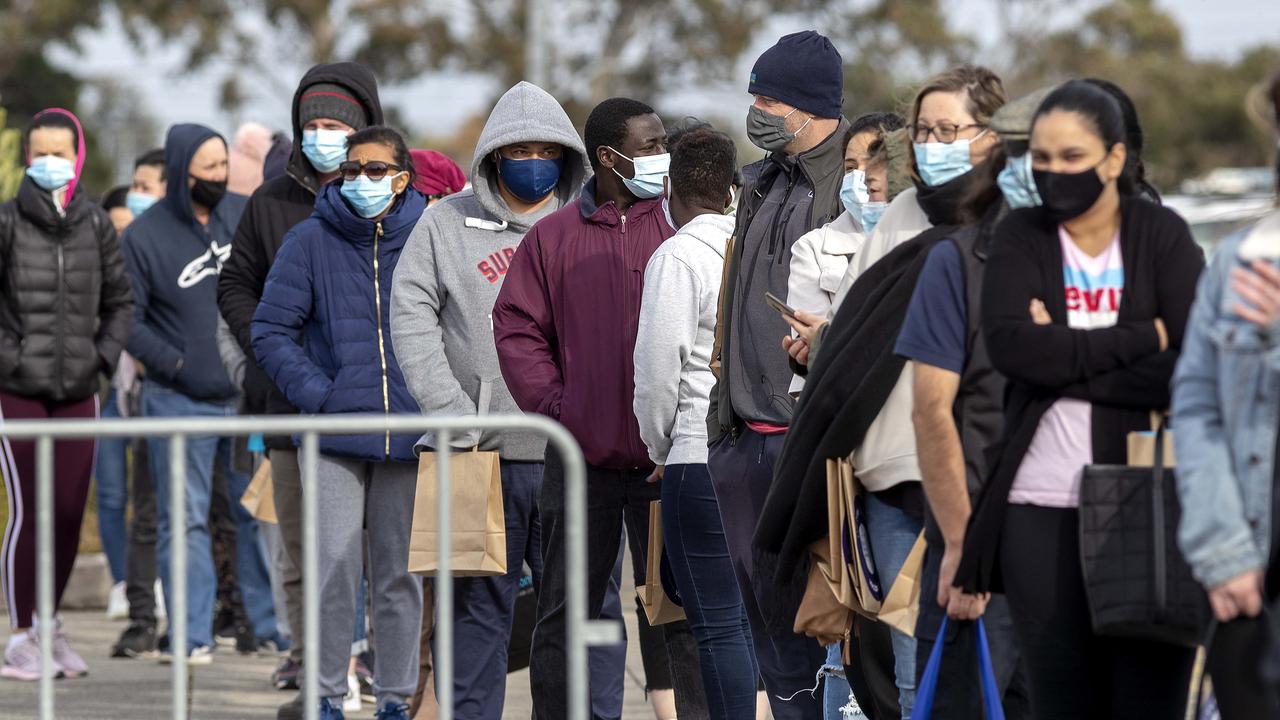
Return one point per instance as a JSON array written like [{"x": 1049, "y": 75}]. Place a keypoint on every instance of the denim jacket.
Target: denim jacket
[{"x": 1226, "y": 404}]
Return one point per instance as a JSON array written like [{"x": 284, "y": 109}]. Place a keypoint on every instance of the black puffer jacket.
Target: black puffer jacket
[
  {"x": 275, "y": 207},
  {"x": 65, "y": 302}
]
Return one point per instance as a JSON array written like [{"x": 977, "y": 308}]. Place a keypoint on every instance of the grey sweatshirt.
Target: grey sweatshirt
[
  {"x": 673, "y": 346},
  {"x": 452, "y": 267}
]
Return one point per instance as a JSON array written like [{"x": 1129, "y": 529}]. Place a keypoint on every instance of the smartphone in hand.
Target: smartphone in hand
[{"x": 776, "y": 303}]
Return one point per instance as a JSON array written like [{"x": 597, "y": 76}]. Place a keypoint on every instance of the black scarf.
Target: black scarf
[
  {"x": 942, "y": 203},
  {"x": 847, "y": 386}
]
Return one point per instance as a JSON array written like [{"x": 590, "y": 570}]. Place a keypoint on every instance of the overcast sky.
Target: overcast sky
[{"x": 1212, "y": 28}]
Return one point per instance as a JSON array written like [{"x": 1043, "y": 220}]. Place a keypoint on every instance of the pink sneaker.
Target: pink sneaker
[
  {"x": 22, "y": 661},
  {"x": 68, "y": 660}
]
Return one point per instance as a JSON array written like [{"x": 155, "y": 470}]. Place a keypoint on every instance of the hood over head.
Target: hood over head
[
  {"x": 364, "y": 88},
  {"x": 180, "y": 145},
  {"x": 526, "y": 113},
  {"x": 80, "y": 151}
]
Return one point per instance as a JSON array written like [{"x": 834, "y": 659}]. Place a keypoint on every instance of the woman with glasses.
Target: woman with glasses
[
  {"x": 950, "y": 143},
  {"x": 322, "y": 332}
]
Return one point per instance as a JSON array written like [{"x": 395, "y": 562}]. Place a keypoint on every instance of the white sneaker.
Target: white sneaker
[
  {"x": 200, "y": 655},
  {"x": 351, "y": 701},
  {"x": 118, "y": 602},
  {"x": 22, "y": 661},
  {"x": 161, "y": 615},
  {"x": 72, "y": 665}
]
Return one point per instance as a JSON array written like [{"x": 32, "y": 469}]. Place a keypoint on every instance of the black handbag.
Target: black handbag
[{"x": 1136, "y": 580}]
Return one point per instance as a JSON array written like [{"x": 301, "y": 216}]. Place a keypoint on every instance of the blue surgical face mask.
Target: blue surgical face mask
[
  {"x": 530, "y": 179},
  {"x": 369, "y": 197},
  {"x": 856, "y": 198},
  {"x": 870, "y": 214},
  {"x": 650, "y": 171},
  {"x": 51, "y": 172},
  {"x": 853, "y": 191},
  {"x": 325, "y": 149},
  {"x": 1017, "y": 183},
  {"x": 138, "y": 203},
  {"x": 940, "y": 163}
]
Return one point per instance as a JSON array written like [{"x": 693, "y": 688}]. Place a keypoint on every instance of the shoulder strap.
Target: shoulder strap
[{"x": 717, "y": 343}]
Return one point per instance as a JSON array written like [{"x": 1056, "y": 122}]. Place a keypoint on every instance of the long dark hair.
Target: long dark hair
[
  {"x": 1101, "y": 112},
  {"x": 1134, "y": 141}
]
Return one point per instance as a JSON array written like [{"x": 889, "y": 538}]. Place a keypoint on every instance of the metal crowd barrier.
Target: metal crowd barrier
[{"x": 582, "y": 633}]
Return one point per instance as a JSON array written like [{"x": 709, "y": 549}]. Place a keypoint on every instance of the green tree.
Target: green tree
[
  {"x": 1193, "y": 112},
  {"x": 11, "y": 169}
]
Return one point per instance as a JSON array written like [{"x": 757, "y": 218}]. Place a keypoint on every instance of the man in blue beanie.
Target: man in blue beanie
[{"x": 796, "y": 118}]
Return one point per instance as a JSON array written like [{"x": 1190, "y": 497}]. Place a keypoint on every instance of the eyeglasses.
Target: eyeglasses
[
  {"x": 376, "y": 170},
  {"x": 944, "y": 132}
]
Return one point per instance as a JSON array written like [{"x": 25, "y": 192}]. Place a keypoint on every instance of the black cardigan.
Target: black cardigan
[{"x": 1120, "y": 369}]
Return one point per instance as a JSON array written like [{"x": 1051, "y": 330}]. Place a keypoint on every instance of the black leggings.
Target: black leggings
[{"x": 1075, "y": 674}]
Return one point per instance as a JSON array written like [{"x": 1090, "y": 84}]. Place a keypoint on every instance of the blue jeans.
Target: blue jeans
[
  {"x": 112, "y": 483},
  {"x": 893, "y": 533},
  {"x": 202, "y": 586},
  {"x": 835, "y": 688},
  {"x": 699, "y": 558},
  {"x": 742, "y": 472},
  {"x": 484, "y": 607}
]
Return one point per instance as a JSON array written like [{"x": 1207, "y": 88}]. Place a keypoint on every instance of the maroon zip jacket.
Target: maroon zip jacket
[{"x": 566, "y": 319}]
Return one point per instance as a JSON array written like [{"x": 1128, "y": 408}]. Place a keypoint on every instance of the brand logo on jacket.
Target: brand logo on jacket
[
  {"x": 495, "y": 266},
  {"x": 208, "y": 264}
]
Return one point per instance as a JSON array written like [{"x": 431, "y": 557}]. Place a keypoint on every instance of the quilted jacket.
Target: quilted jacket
[
  {"x": 330, "y": 290},
  {"x": 65, "y": 302}
]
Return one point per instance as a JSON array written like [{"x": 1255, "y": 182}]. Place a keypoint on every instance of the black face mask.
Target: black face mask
[
  {"x": 1068, "y": 195},
  {"x": 208, "y": 193}
]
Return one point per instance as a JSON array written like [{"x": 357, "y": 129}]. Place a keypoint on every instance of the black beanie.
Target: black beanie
[
  {"x": 330, "y": 100},
  {"x": 804, "y": 70}
]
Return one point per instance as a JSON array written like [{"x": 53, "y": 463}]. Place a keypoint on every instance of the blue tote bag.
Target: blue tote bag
[{"x": 986, "y": 673}]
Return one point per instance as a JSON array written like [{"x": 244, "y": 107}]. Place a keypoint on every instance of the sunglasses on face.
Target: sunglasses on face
[{"x": 375, "y": 170}]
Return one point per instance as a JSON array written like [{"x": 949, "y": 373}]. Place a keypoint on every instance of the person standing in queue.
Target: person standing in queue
[
  {"x": 1085, "y": 322},
  {"x": 797, "y": 86},
  {"x": 672, "y": 382},
  {"x": 331, "y": 289},
  {"x": 529, "y": 163},
  {"x": 956, "y": 414},
  {"x": 174, "y": 253},
  {"x": 572, "y": 289},
  {"x": 65, "y": 313},
  {"x": 332, "y": 101}
]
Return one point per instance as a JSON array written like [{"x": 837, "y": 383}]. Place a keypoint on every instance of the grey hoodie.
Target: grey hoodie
[{"x": 452, "y": 267}]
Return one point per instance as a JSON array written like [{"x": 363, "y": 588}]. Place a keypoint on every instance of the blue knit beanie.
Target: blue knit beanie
[{"x": 804, "y": 70}]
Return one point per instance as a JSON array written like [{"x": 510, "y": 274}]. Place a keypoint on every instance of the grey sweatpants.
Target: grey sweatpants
[
  {"x": 354, "y": 495},
  {"x": 286, "y": 490}
]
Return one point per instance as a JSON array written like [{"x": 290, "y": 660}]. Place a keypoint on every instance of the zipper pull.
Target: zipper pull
[{"x": 624, "y": 224}]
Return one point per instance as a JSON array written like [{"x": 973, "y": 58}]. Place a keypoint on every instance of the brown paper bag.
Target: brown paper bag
[
  {"x": 259, "y": 498},
  {"x": 865, "y": 600},
  {"x": 821, "y": 614},
  {"x": 479, "y": 529},
  {"x": 901, "y": 606},
  {"x": 658, "y": 606},
  {"x": 1142, "y": 446},
  {"x": 831, "y": 562}
]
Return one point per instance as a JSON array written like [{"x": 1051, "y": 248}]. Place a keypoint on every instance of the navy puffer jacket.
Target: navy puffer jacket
[{"x": 323, "y": 329}]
